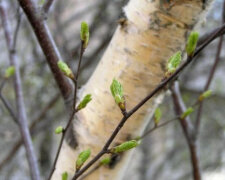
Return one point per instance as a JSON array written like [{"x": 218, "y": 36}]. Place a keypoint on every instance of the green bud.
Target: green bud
[
  {"x": 10, "y": 71},
  {"x": 174, "y": 62},
  {"x": 205, "y": 95},
  {"x": 64, "y": 176},
  {"x": 105, "y": 161},
  {"x": 157, "y": 116},
  {"x": 84, "y": 34},
  {"x": 65, "y": 69},
  {"x": 117, "y": 92},
  {"x": 84, "y": 102},
  {"x": 192, "y": 43},
  {"x": 82, "y": 158},
  {"x": 187, "y": 113},
  {"x": 59, "y": 130},
  {"x": 125, "y": 146}
]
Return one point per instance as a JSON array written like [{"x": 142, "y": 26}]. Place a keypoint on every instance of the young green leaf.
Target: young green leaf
[
  {"x": 82, "y": 158},
  {"x": 157, "y": 116},
  {"x": 187, "y": 113},
  {"x": 105, "y": 161},
  {"x": 10, "y": 71},
  {"x": 59, "y": 130},
  {"x": 84, "y": 102},
  {"x": 65, "y": 69},
  {"x": 192, "y": 43},
  {"x": 205, "y": 95},
  {"x": 84, "y": 34},
  {"x": 125, "y": 146},
  {"x": 117, "y": 92},
  {"x": 65, "y": 176},
  {"x": 174, "y": 62}
]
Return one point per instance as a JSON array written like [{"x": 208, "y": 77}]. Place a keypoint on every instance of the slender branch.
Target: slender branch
[
  {"x": 48, "y": 47},
  {"x": 74, "y": 110},
  {"x": 211, "y": 75},
  {"x": 179, "y": 109},
  {"x": 15, "y": 36},
  {"x": 47, "y": 5},
  {"x": 33, "y": 125},
  {"x": 32, "y": 160},
  {"x": 6, "y": 103},
  {"x": 142, "y": 102}
]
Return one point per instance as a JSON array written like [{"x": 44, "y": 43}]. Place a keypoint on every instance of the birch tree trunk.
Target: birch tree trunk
[{"x": 152, "y": 32}]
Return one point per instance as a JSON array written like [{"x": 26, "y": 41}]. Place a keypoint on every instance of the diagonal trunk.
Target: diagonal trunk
[{"x": 152, "y": 32}]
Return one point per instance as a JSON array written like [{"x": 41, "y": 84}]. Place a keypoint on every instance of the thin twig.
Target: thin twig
[
  {"x": 16, "y": 32},
  {"x": 33, "y": 125},
  {"x": 47, "y": 5},
  {"x": 185, "y": 124},
  {"x": 82, "y": 49},
  {"x": 142, "y": 102},
  {"x": 32, "y": 160},
  {"x": 209, "y": 80}
]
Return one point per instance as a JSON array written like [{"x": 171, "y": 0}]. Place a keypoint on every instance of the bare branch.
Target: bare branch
[
  {"x": 47, "y": 5},
  {"x": 19, "y": 98}
]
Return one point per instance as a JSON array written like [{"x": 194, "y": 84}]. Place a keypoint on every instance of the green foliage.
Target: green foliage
[
  {"x": 59, "y": 130},
  {"x": 205, "y": 95},
  {"x": 64, "y": 176},
  {"x": 84, "y": 34},
  {"x": 84, "y": 102},
  {"x": 65, "y": 69},
  {"x": 192, "y": 43},
  {"x": 82, "y": 158},
  {"x": 105, "y": 161},
  {"x": 187, "y": 113},
  {"x": 174, "y": 62},
  {"x": 117, "y": 92},
  {"x": 125, "y": 146},
  {"x": 157, "y": 116},
  {"x": 10, "y": 71}
]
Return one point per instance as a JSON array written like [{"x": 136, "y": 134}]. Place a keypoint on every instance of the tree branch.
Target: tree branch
[{"x": 19, "y": 98}]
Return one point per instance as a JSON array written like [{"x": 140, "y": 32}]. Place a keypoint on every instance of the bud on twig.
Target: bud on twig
[
  {"x": 117, "y": 92},
  {"x": 173, "y": 63},
  {"x": 65, "y": 69},
  {"x": 84, "y": 102},
  {"x": 187, "y": 113},
  {"x": 84, "y": 34},
  {"x": 82, "y": 158},
  {"x": 59, "y": 130},
  {"x": 64, "y": 176},
  {"x": 105, "y": 161},
  {"x": 205, "y": 95},
  {"x": 10, "y": 71},
  {"x": 157, "y": 116},
  {"x": 124, "y": 146},
  {"x": 192, "y": 43}
]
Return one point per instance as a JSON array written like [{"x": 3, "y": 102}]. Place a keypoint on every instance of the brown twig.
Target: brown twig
[
  {"x": 211, "y": 75},
  {"x": 22, "y": 117},
  {"x": 47, "y": 5},
  {"x": 142, "y": 102},
  {"x": 188, "y": 132}
]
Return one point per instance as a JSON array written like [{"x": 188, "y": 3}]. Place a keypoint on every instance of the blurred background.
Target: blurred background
[{"x": 163, "y": 154}]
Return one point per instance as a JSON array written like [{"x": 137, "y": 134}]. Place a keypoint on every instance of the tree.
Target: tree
[{"x": 151, "y": 32}]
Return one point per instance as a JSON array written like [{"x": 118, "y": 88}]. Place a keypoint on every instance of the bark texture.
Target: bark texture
[{"x": 152, "y": 31}]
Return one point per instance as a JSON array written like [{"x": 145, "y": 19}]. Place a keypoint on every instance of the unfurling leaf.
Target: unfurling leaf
[
  {"x": 117, "y": 92},
  {"x": 65, "y": 176},
  {"x": 65, "y": 69},
  {"x": 187, "y": 113},
  {"x": 174, "y": 62},
  {"x": 205, "y": 95},
  {"x": 84, "y": 34},
  {"x": 192, "y": 43},
  {"x": 82, "y": 158},
  {"x": 125, "y": 146},
  {"x": 59, "y": 130},
  {"x": 157, "y": 116},
  {"x": 84, "y": 102},
  {"x": 105, "y": 161},
  {"x": 10, "y": 71}
]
